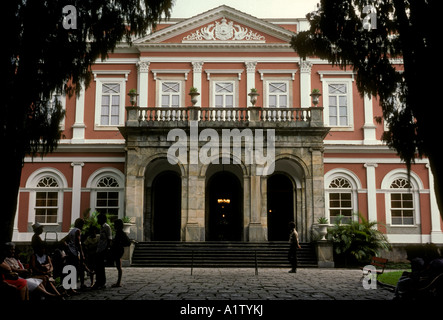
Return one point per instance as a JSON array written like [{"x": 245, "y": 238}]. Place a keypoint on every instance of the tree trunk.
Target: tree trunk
[{"x": 11, "y": 164}]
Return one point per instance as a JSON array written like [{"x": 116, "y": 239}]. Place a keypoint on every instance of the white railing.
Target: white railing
[{"x": 212, "y": 114}]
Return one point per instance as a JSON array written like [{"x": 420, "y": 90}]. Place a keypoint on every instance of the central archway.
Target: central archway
[
  {"x": 224, "y": 214},
  {"x": 166, "y": 207},
  {"x": 280, "y": 206}
]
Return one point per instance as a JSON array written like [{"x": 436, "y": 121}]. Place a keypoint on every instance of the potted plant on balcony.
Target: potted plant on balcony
[
  {"x": 133, "y": 96},
  {"x": 323, "y": 224},
  {"x": 315, "y": 94},
  {"x": 253, "y": 94},
  {"x": 193, "y": 92}
]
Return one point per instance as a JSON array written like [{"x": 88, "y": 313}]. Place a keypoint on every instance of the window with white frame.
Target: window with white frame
[
  {"x": 170, "y": 94},
  {"x": 107, "y": 192},
  {"x": 110, "y": 106},
  {"x": 338, "y": 104},
  {"x": 402, "y": 202},
  {"x": 340, "y": 201},
  {"x": 47, "y": 200},
  {"x": 277, "y": 94},
  {"x": 110, "y": 103},
  {"x": 224, "y": 94},
  {"x": 108, "y": 197}
]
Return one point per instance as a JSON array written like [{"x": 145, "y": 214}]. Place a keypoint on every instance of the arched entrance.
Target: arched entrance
[
  {"x": 166, "y": 207},
  {"x": 224, "y": 214},
  {"x": 280, "y": 206}
]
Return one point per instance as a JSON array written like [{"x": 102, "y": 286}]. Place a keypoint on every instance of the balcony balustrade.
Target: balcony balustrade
[{"x": 144, "y": 116}]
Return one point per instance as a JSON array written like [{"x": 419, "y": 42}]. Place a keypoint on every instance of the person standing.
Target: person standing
[
  {"x": 103, "y": 246},
  {"x": 294, "y": 246},
  {"x": 119, "y": 243},
  {"x": 74, "y": 252}
]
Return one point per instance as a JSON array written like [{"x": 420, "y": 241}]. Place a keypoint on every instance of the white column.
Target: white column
[
  {"x": 436, "y": 232},
  {"x": 197, "y": 67},
  {"x": 369, "y": 126},
  {"x": 142, "y": 82},
  {"x": 250, "y": 77},
  {"x": 305, "y": 83},
  {"x": 76, "y": 189},
  {"x": 78, "y": 128},
  {"x": 372, "y": 191}
]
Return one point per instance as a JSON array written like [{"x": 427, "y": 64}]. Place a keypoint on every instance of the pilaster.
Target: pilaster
[
  {"x": 142, "y": 82},
  {"x": 76, "y": 189},
  {"x": 197, "y": 67},
  {"x": 305, "y": 83},
  {"x": 372, "y": 191}
]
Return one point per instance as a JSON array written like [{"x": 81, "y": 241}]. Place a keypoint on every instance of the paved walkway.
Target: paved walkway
[{"x": 235, "y": 284}]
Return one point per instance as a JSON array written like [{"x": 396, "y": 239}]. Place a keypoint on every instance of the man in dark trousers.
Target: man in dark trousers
[
  {"x": 103, "y": 246},
  {"x": 294, "y": 245}
]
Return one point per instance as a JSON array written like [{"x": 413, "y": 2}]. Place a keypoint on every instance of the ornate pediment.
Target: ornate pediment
[
  {"x": 224, "y": 30},
  {"x": 220, "y": 26}
]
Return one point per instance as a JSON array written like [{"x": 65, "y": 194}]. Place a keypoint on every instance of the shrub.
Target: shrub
[{"x": 358, "y": 240}]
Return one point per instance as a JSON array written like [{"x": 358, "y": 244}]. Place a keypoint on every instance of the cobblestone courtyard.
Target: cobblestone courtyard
[{"x": 235, "y": 284}]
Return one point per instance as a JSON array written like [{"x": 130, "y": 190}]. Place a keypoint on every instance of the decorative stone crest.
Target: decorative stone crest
[{"x": 224, "y": 30}]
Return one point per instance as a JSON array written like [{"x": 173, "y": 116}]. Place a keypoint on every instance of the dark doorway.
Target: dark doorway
[
  {"x": 224, "y": 217},
  {"x": 280, "y": 207},
  {"x": 166, "y": 207}
]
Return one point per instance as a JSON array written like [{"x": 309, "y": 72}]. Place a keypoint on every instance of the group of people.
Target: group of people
[{"x": 87, "y": 253}]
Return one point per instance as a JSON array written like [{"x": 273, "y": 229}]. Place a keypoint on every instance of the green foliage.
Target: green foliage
[
  {"x": 391, "y": 278},
  {"x": 42, "y": 58},
  {"x": 359, "y": 240},
  {"x": 91, "y": 220},
  {"x": 404, "y": 30},
  {"x": 323, "y": 220}
]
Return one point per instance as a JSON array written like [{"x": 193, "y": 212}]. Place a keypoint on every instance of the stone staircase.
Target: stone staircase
[{"x": 220, "y": 254}]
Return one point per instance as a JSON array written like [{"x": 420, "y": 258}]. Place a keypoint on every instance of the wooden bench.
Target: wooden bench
[{"x": 378, "y": 263}]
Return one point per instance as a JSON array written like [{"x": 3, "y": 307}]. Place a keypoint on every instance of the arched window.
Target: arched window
[
  {"x": 341, "y": 195},
  {"x": 340, "y": 200},
  {"x": 402, "y": 202},
  {"x": 107, "y": 192},
  {"x": 46, "y": 187},
  {"x": 107, "y": 200},
  {"x": 402, "y": 198},
  {"x": 46, "y": 200}
]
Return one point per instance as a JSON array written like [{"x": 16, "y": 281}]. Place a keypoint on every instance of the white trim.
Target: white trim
[
  {"x": 110, "y": 72},
  {"x": 261, "y": 59},
  {"x": 372, "y": 190},
  {"x": 289, "y": 92},
  {"x": 292, "y": 72},
  {"x": 408, "y": 238},
  {"x": 417, "y": 185},
  {"x": 91, "y": 185},
  {"x": 74, "y": 159},
  {"x": 76, "y": 190},
  {"x": 364, "y": 160},
  {"x": 173, "y": 71},
  {"x": 98, "y": 99},
  {"x": 78, "y": 128},
  {"x": 334, "y": 73},
  {"x": 187, "y": 25},
  {"x": 349, "y": 100},
  {"x": 212, "y": 84},
  {"x": 223, "y": 71},
  {"x": 158, "y": 87},
  {"x": 31, "y": 186},
  {"x": 99, "y": 173},
  {"x": 356, "y": 188}
]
